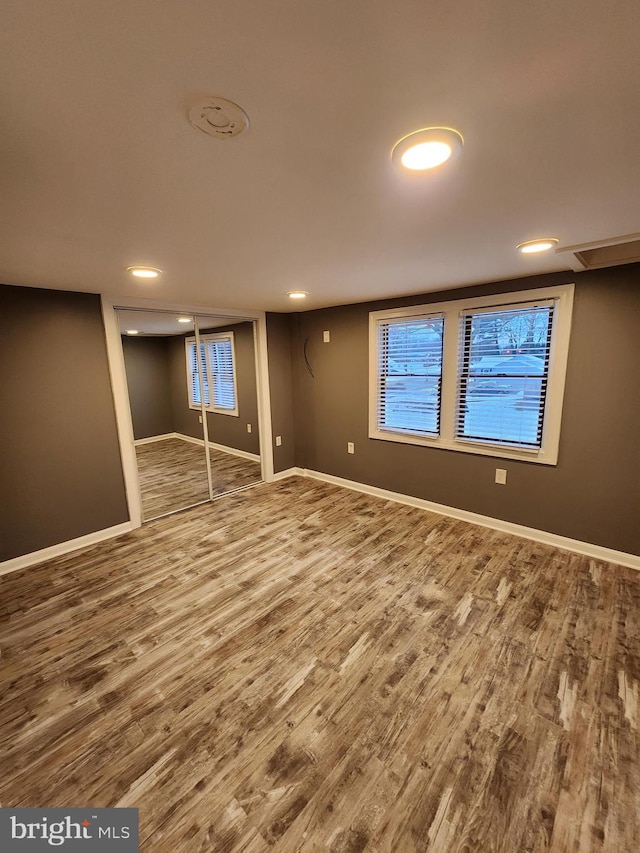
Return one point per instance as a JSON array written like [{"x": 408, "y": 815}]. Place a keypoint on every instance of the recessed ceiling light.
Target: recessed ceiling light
[
  {"x": 532, "y": 247},
  {"x": 297, "y": 294},
  {"x": 184, "y": 319},
  {"x": 427, "y": 148},
  {"x": 132, "y": 331},
  {"x": 144, "y": 272}
]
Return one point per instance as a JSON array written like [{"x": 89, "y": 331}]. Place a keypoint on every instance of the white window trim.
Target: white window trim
[
  {"x": 547, "y": 454},
  {"x": 204, "y": 339}
]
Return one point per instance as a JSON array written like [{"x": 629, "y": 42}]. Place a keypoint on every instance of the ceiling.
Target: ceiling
[
  {"x": 101, "y": 169},
  {"x": 165, "y": 323}
]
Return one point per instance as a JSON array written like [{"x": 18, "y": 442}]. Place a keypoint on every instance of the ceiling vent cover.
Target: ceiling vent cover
[
  {"x": 605, "y": 253},
  {"x": 219, "y": 118}
]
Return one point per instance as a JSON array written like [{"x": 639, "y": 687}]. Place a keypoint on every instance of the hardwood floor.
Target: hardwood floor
[
  {"x": 173, "y": 474},
  {"x": 303, "y": 668}
]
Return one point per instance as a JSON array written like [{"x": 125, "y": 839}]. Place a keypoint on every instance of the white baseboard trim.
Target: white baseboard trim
[
  {"x": 189, "y": 438},
  {"x": 243, "y": 454},
  {"x": 289, "y": 472},
  {"x": 151, "y": 439},
  {"x": 27, "y": 560},
  {"x": 597, "y": 552}
]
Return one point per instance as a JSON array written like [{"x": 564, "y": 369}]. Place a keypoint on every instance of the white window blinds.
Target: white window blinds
[
  {"x": 410, "y": 374},
  {"x": 481, "y": 375},
  {"x": 220, "y": 355},
  {"x": 216, "y": 366},
  {"x": 193, "y": 374},
  {"x": 503, "y": 373}
]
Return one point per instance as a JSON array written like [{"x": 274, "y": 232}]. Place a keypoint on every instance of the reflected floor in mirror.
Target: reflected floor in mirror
[{"x": 173, "y": 474}]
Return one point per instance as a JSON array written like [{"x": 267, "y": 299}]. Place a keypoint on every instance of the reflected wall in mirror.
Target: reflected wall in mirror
[
  {"x": 172, "y": 467},
  {"x": 195, "y": 420},
  {"x": 227, "y": 359}
]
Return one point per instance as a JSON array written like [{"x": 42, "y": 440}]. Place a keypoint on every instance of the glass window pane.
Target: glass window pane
[
  {"x": 411, "y": 403},
  {"x": 504, "y": 363},
  {"x": 410, "y": 371}
]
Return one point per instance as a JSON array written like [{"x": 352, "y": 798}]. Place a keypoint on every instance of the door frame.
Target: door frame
[{"x": 122, "y": 406}]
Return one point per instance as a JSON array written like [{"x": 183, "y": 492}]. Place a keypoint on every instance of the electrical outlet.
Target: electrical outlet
[
  {"x": 199, "y": 419},
  {"x": 278, "y": 440},
  {"x": 351, "y": 447},
  {"x": 501, "y": 476},
  {"x": 248, "y": 427},
  {"x": 326, "y": 337}
]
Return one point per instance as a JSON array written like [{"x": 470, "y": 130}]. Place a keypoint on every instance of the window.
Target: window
[
  {"x": 481, "y": 376},
  {"x": 503, "y": 374},
  {"x": 216, "y": 365},
  {"x": 410, "y": 374}
]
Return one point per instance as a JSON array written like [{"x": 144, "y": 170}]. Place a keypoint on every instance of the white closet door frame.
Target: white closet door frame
[
  {"x": 121, "y": 397},
  {"x": 203, "y": 407}
]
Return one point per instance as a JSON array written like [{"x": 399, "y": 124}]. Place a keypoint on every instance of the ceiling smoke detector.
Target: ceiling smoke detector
[{"x": 219, "y": 118}]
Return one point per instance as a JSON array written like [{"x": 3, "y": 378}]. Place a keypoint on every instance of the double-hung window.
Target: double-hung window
[
  {"x": 479, "y": 375},
  {"x": 410, "y": 374},
  {"x": 213, "y": 374}
]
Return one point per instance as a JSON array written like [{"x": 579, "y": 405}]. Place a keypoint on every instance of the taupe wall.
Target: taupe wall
[
  {"x": 147, "y": 366},
  {"x": 593, "y": 494},
  {"x": 60, "y": 470},
  {"x": 279, "y": 340},
  {"x": 223, "y": 429}
]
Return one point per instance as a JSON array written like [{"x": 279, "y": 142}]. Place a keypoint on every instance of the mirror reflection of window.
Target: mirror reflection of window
[
  {"x": 195, "y": 419},
  {"x": 225, "y": 375},
  {"x": 215, "y": 370}
]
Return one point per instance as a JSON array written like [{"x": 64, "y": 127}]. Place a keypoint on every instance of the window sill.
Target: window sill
[
  {"x": 467, "y": 446},
  {"x": 233, "y": 413}
]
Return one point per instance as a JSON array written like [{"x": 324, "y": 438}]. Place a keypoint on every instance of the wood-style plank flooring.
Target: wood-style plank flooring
[
  {"x": 298, "y": 667},
  {"x": 173, "y": 474}
]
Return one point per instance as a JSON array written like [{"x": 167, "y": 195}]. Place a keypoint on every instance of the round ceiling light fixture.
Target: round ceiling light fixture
[
  {"x": 427, "y": 148},
  {"x": 533, "y": 247},
  {"x": 297, "y": 294},
  {"x": 219, "y": 118},
  {"x": 144, "y": 272},
  {"x": 184, "y": 319},
  {"x": 132, "y": 331}
]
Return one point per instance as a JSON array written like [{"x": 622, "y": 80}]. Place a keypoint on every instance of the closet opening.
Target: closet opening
[{"x": 194, "y": 415}]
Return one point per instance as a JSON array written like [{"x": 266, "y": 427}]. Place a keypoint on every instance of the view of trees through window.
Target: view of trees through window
[{"x": 502, "y": 374}]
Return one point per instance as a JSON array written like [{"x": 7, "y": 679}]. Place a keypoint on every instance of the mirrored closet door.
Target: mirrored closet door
[
  {"x": 169, "y": 444},
  {"x": 227, "y": 357},
  {"x": 193, "y": 398}
]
